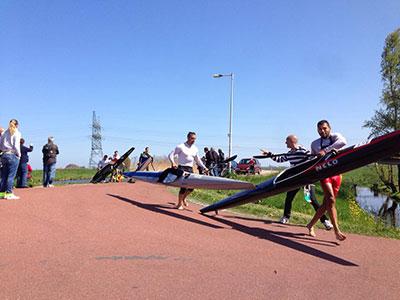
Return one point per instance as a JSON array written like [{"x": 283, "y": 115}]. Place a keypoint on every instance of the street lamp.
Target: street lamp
[{"x": 230, "y": 113}]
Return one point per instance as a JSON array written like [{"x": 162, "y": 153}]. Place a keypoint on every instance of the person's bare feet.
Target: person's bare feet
[
  {"x": 311, "y": 231},
  {"x": 340, "y": 236}
]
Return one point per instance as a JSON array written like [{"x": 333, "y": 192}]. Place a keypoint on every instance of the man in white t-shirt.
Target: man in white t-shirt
[{"x": 186, "y": 154}]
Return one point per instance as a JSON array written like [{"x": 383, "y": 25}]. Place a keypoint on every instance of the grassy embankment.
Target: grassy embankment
[
  {"x": 63, "y": 174},
  {"x": 351, "y": 217}
]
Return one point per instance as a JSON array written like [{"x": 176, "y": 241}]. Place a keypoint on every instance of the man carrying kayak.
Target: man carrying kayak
[
  {"x": 328, "y": 142},
  {"x": 186, "y": 154}
]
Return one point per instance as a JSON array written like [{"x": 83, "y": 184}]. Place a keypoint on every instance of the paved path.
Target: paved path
[{"x": 124, "y": 241}]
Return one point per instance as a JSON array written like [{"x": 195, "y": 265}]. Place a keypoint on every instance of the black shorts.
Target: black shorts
[{"x": 189, "y": 170}]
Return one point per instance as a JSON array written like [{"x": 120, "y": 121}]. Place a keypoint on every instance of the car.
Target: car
[{"x": 248, "y": 166}]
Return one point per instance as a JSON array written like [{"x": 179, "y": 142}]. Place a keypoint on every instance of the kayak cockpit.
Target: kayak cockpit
[{"x": 299, "y": 169}]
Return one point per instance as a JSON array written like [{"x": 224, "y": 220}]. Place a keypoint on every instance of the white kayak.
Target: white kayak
[{"x": 191, "y": 181}]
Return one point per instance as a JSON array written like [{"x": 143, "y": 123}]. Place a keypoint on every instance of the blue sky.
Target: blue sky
[{"x": 145, "y": 67}]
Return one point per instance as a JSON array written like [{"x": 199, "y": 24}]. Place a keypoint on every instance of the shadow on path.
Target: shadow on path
[
  {"x": 301, "y": 236},
  {"x": 279, "y": 238},
  {"x": 165, "y": 210}
]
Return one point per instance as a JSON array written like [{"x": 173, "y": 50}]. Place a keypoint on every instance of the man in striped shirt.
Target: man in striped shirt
[{"x": 296, "y": 155}]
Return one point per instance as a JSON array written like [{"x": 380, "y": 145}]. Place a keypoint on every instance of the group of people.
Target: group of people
[
  {"x": 108, "y": 159},
  {"x": 116, "y": 175},
  {"x": 186, "y": 154},
  {"x": 14, "y": 161},
  {"x": 297, "y": 154},
  {"x": 213, "y": 160}
]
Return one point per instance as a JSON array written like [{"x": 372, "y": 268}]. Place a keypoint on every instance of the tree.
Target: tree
[{"x": 387, "y": 117}]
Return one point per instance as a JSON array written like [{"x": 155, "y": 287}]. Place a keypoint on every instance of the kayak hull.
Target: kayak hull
[{"x": 193, "y": 181}]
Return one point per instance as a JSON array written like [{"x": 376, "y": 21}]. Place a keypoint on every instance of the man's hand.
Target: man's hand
[
  {"x": 323, "y": 152},
  {"x": 266, "y": 153},
  {"x": 334, "y": 151}
]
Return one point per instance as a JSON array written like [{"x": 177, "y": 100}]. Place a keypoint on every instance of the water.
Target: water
[{"x": 379, "y": 205}]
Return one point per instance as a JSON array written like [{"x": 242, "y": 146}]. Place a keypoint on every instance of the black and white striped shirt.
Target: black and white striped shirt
[{"x": 295, "y": 157}]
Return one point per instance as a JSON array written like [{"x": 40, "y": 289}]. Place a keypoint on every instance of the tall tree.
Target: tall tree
[{"x": 387, "y": 117}]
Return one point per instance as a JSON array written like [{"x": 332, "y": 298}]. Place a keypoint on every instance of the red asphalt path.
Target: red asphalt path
[{"x": 124, "y": 241}]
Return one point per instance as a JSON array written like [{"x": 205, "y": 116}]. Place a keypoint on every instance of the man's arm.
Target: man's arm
[
  {"x": 27, "y": 149},
  {"x": 339, "y": 142},
  {"x": 171, "y": 156},
  {"x": 280, "y": 158},
  {"x": 315, "y": 147},
  {"x": 199, "y": 162},
  {"x": 17, "y": 145}
]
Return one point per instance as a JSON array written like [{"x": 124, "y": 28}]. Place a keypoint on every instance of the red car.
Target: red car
[{"x": 248, "y": 166}]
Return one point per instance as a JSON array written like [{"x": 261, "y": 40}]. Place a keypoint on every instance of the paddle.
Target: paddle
[
  {"x": 225, "y": 161},
  {"x": 108, "y": 169},
  {"x": 280, "y": 154},
  {"x": 229, "y": 159}
]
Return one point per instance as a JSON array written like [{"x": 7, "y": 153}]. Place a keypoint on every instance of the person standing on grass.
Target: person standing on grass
[
  {"x": 296, "y": 155},
  {"x": 50, "y": 152},
  {"x": 328, "y": 142},
  {"x": 11, "y": 153},
  {"x": 186, "y": 154},
  {"x": 115, "y": 157},
  {"x": 215, "y": 160},
  {"x": 207, "y": 157},
  {"x": 115, "y": 173},
  {"x": 22, "y": 173},
  {"x": 103, "y": 162},
  {"x": 144, "y": 156},
  {"x": 221, "y": 158}
]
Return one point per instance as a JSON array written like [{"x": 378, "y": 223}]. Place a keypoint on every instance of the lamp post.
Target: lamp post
[{"x": 231, "y": 75}]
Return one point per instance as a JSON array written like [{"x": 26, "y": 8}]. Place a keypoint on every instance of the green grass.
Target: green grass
[
  {"x": 351, "y": 217},
  {"x": 63, "y": 174}
]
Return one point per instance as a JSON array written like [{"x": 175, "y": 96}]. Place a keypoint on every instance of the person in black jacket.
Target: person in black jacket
[
  {"x": 50, "y": 152},
  {"x": 214, "y": 162},
  {"x": 22, "y": 173}
]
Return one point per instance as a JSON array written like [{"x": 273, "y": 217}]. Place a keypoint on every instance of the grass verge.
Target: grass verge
[{"x": 62, "y": 174}]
